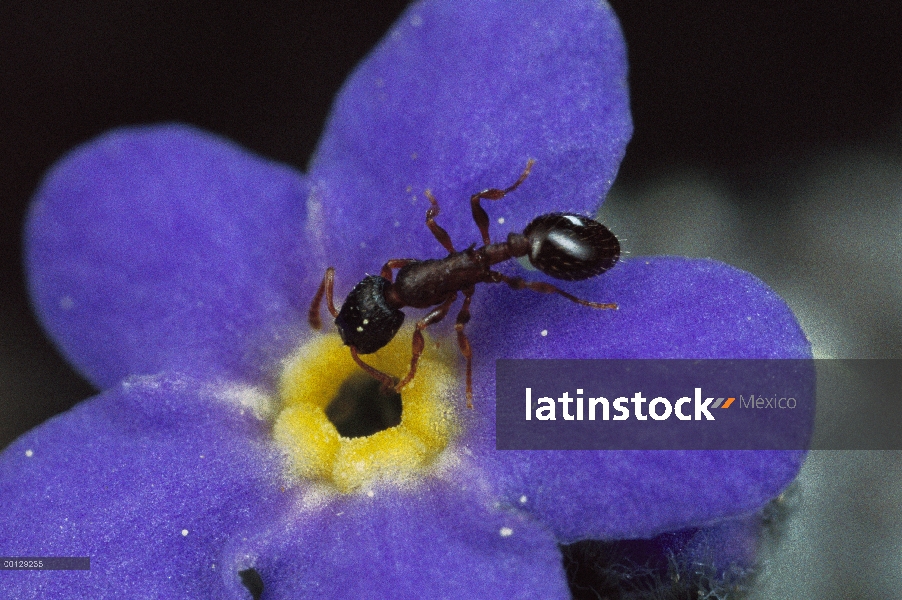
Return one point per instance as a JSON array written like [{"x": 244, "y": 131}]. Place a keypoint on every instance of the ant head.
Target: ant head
[
  {"x": 365, "y": 321},
  {"x": 571, "y": 247}
]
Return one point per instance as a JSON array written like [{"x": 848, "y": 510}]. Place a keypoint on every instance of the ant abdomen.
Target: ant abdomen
[{"x": 570, "y": 247}]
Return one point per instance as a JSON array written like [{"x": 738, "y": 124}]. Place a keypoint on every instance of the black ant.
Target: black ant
[{"x": 563, "y": 245}]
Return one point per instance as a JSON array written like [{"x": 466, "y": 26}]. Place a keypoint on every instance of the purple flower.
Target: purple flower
[{"x": 175, "y": 270}]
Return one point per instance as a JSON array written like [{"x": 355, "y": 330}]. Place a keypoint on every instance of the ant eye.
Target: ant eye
[{"x": 571, "y": 247}]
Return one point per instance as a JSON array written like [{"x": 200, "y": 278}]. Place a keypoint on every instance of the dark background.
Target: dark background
[{"x": 743, "y": 89}]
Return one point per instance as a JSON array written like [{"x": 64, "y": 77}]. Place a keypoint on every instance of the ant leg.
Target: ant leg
[
  {"x": 387, "y": 381},
  {"x": 419, "y": 343},
  {"x": 518, "y": 283},
  {"x": 463, "y": 317},
  {"x": 324, "y": 287},
  {"x": 395, "y": 263},
  {"x": 440, "y": 234},
  {"x": 480, "y": 216}
]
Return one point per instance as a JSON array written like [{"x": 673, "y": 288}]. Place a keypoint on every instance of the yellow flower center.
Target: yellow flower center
[{"x": 336, "y": 426}]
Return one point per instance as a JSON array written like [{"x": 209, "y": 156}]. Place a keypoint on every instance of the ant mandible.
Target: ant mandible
[{"x": 563, "y": 245}]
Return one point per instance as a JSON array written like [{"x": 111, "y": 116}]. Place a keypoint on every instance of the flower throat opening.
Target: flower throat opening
[
  {"x": 361, "y": 408},
  {"x": 335, "y": 426}
]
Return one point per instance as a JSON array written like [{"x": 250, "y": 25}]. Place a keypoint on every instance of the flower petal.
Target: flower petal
[
  {"x": 668, "y": 308},
  {"x": 456, "y": 98},
  {"x": 435, "y": 543},
  {"x": 148, "y": 480},
  {"x": 631, "y": 494},
  {"x": 165, "y": 247}
]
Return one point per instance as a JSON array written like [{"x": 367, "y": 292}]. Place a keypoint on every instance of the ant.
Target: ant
[{"x": 563, "y": 245}]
